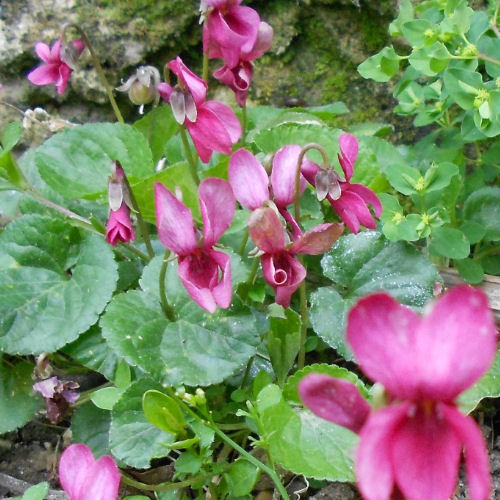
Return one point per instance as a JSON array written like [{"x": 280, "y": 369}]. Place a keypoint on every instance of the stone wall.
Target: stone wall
[{"x": 318, "y": 45}]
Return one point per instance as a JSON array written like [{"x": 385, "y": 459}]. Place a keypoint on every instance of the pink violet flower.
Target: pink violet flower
[
  {"x": 204, "y": 272},
  {"x": 414, "y": 444},
  {"x": 58, "y": 67},
  {"x": 84, "y": 478},
  {"x": 212, "y": 125},
  {"x": 279, "y": 266},
  {"x": 352, "y": 199},
  {"x": 119, "y": 226}
]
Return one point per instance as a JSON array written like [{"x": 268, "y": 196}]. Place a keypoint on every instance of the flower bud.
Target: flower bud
[{"x": 142, "y": 87}]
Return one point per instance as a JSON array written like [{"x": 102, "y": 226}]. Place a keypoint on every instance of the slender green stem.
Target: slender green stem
[
  {"x": 140, "y": 221},
  {"x": 99, "y": 69},
  {"x": 166, "y": 486},
  {"x": 205, "y": 67},
  {"x": 488, "y": 58},
  {"x": 303, "y": 325},
  {"x": 86, "y": 395},
  {"x": 243, "y": 124},
  {"x": 494, "y": 26},
  {"x": 167, "y": 308},
  {"x": 253, "y": 272},
  {"x": 243, "y": 243},
  {"x": 193, "y": 167},
  {"x": 246, "y": 374},
  {"x": 264, "y": 468},
  {"x": 487, "y": 251},
  {"x": 137, "y": 252}
]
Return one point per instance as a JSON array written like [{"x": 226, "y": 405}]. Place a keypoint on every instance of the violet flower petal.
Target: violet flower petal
[
  {"x": 348, "y": 154},
  {"x": 318, "y": 239},
  {"x": 174, "y": 222},
  {"x": 217, "y": 206},
  {"x": 74, "y": 466},
  {"x": 266, "y": 230},
  {"x": 334, "y": 399},
  {"x": 44, "y": 74},
  {"x": 248, "y": 179}
]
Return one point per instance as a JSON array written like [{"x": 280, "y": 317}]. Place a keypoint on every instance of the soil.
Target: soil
[{"x": 29, "y": 456}]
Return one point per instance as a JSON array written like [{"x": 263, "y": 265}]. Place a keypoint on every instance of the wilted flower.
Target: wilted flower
[
  {"x": 347, "y": 199},
  {"x": 119, "y": 227},
  {"x": 59, "y": 61},
  {"x": 414, "y": 444},
  {"x": 142, "y": 86},
  {"x": 58, "y": 394},
  {"x": 205, "y": 272},
  {"x": 84, "y": 478},
  {"x": 212, "y": 125}
]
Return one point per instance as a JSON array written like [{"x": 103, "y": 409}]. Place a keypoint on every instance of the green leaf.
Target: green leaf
[
  {"x": 77, "y": 162},
  {"x": 37, "y": 492},
  {"x": 491, "y": 47},
  {"x": 381, "y": 67},
  {"x": 291, "y": 393},
  {"x": 106, "y": 397},
  {"x": 92, "y": 351},
  {"x": 483, "y": 207},
  {"x": 18, "y": 403},
  {"x": 132, "y": 438},
  {"x": 197, "y": 349},
  {"x": 470, "y": 270},
  {"x": 488, "y": 386},
  {"x": 173, "y": 177},
  {"x": 90, "y": 426},
  {"x": 463, "y": 86},
  {"x": 403, "y": 178},
  {"x": 420, "y": 32},
  {"x": 163, "y": 412},
  {"x": 473, "y": 231},
  {"x": 449, "y": 242},
  {"x": 374, "y": 264},
  {"x": 430, "y": 60},
  {"x": 439, "y": 176},
  {"x": 241, "y": 478},
  {"x": 405, "y": 15},
  {"x": 11, "y": 135},
  {"x": 302, "y": 442},
  {"x": 283, "y": 342},
  {"x": 53, "y": 292},
  {"x": 158, "y": 127}
]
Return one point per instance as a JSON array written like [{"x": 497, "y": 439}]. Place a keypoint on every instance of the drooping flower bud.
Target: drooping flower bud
[
  {"x": 142, "y": 87},
  {"x": 327, "y": 183}
]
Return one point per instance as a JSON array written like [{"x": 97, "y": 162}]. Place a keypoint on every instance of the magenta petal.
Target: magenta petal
[
  {"x": 74, "y": 466},
  {"x": 199, "y": 274},
  {"x": 318, "y": 239},
  {"x": 223, "y": 291},
  {"x": 119, "y": 227},
  {"x": 426, "y": 455},
  {"x": 456, "y": 343},
  {"x": 46, "y": 387},
  {"x": 229, "y": 120},
  {"x": 196, "y": 85},
  {"x": 217, "y": 205},
  {"x": 263, "y": 42},
  {"x": 79, "y": 46},
  {"x": 283, "y": 175},
  {"x": 165, "y": 90},
  {"x": 284, "y": 273},
  {"x": 266, "y": 230},
  {"x": 352, "y": 210},
  {"x": 368, "y": 196},
  {"x": 64, "y": 74},
  {"x": 174, "y": 222},
  {"x": 348, "y": 154},
  {"x": 476, "y": 453},
  {"x": 334, "y": 399},
  {"x": 44, "y": 74},
  {"x": 43, "y": 51},
  {"x": 55, "y": 51},
  {"x": 309, "y": 170},
  {"x": 248, "y": 179},
  {"x": 374, "y": 467},
  {"x": 382, "y": 334},
  {"x": 105, "y": 481}
]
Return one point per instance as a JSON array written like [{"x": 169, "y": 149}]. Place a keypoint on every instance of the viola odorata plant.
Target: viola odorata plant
[{"x": 412, "y": 443}]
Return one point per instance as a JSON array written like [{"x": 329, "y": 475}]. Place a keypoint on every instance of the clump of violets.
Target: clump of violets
[
  {"x": 119, "y": 227},
  {"x": 204, "y": 272},
  {"x": 58, "y": 64},
  {"x": 236, "y": 34},
  {"x": 267, "y": 224},
  {"x": 58, "y": 395},
  {"x": 84, "y": 478},
  {"x": 212, "y": 125},
  {"x": 411, "y": 447},
  {"x": 348, "y": 200}
]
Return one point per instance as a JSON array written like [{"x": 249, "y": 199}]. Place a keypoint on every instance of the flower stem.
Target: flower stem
[
  {"x": 204, "y": 74},
  {"x": 142, "y": 223},
  {"x": 191, "y": 161},
  {"x": 98, "y": 68},
  {"x": 243, "y": 124},
  {"x": 243, "y": 243},
  {"x": 303, "y": 323},
  {"x": 488, "y": 58},
  {"x": 167, "y": 308}
]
